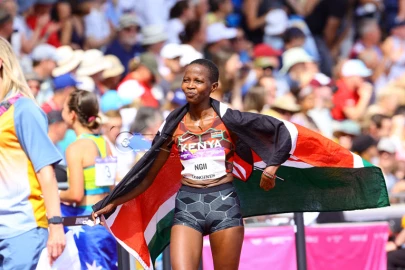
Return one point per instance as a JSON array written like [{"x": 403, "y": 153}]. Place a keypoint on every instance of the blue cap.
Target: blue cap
[
  {"x": 111, "y": 101},
  {"x": 63, "y": 81},
  {"x": 179, "y": 97}
]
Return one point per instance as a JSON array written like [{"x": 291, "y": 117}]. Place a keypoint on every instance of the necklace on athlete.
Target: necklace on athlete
[{"x": 200, "y": 122}]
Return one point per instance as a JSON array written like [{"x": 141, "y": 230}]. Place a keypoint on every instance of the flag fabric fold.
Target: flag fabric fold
[{"x": 319, "y": 176}]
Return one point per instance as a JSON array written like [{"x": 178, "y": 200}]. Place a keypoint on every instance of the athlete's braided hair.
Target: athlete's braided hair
[
  {"x": 212, "y": 68},
  {"x": 85, "y": 105}
]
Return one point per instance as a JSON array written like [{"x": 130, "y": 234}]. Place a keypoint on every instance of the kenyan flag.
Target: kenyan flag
[{"x": 320, "y": 175}]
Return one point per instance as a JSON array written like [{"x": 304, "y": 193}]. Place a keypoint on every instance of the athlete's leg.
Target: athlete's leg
[
  {"x": 185, "y": 248},
  {"x": 226, "y": 246}
]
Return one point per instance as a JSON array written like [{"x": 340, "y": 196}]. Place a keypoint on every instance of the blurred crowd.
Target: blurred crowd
[{"x": 336, "y": 67}]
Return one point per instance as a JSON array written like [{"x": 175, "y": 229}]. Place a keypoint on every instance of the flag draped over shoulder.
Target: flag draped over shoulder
[{"x": 319, "y": 176}]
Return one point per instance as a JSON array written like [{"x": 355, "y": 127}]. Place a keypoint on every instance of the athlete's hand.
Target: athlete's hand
[
  {"x": 268, "y": 180},
  {"x": 105, "y": 210}
]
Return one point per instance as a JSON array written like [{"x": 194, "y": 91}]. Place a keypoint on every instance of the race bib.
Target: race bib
[
  {"x": 204, "y": 164},
  {"x": 106, "y": 170}
]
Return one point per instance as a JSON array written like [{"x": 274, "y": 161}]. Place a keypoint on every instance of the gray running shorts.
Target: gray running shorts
[{"x": 208, "y": 210}]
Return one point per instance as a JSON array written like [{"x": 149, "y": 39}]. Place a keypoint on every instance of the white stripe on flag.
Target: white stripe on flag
[
  {"x": 161, "y": 126},
  {"x": 288, "y": 163},
  {"x": 163, "y": 210},
  {"x": 241, "y": 169},
  {"x": 235, "y": 172},
  {"x": 297, "y": 164},
  {"x": 222, "y": 109},
  {"x": 293, "y": 133},
  {"x": 357, "y": 161}
]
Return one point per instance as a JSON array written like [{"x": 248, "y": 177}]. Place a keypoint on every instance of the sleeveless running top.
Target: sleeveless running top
[
  {"x": 207, "y": 154},
  {"x": 89, "y": 173}
]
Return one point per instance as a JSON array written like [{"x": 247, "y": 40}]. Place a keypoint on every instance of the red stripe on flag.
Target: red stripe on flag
[
  {"x": 316, "y": 150},
  {"x": 245, "y": 165},
  {"x": 135, "y": 215}
]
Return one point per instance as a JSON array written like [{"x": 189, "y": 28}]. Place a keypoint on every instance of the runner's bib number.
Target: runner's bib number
[
  {"x": 106, "y": 170},
  {"x": 204, "y": 164}
]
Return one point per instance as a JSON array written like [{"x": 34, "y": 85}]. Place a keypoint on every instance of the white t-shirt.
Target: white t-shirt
[{"x": 173, "y": 28}]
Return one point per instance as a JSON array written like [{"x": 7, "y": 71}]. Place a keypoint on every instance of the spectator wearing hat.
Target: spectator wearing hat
[
  {"x": 306, "y": 100},
  {"x": 219, "y": 10},
  {"x": 126, "y": 45},
  {"x": 171, "y": 54},
  {"x": 180, "y": 14},
  {"x": 386, "y": 161},
  {"x": 154, "y": 38},
  {"x": 111, "y": 101},
  {"x": 345, "y": 131},
  {"x": 298, "y": 68},
  {"x": 138, "y": 84},
  {"x": 365, "y": 146},
  {"x": 218, "y": 39},
  {"x": 63, "y": 86},
  {"x": 44, "y": 59},
  {"x": 266, "y": 60},
  {"x": 265, "y": 63},
  {"x": 41, "y": 15},
  {"x": 93, "y": 65},
  {"x": 34, "y": 82},
  {"x": 113, "y": 73},
  {"x": 284, "y": 107},
  {"x": 322, "y": 87},
  {"x": 276, "y": 24},
  {"x": 354, "y": 93},
  {"x": 86, "y": 83},
  {"x": 68, "y": 61}
]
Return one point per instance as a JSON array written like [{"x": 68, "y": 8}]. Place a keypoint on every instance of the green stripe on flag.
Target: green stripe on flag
[
  {"x": 162, "y": 236},
  {"x": 314, "y": 190},
  {"x": 367, "y": 164}
]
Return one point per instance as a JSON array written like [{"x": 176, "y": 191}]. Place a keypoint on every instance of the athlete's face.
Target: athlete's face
[{"x": 196, "y": 84}]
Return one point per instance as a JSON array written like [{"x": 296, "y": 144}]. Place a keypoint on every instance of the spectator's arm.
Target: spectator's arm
[
  {"x": 400, "y": 239},
  {"x": 236, "y": 102},
  {"x": 401, "y": 9},
  {"x": 356, "y": 112},
  {"x": 92, "y": 43},
  {"x": 330, "y": 31},
  {"x": 27, "y": 45},
  {"x": 250, "y": 9},
  {"x": 303, "y": 8},
  {"x": 75, "y": 193},
  {"x": 66, "y": 33}
]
